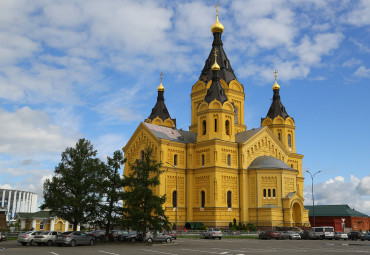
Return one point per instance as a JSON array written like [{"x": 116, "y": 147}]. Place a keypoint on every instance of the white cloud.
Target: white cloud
[
  {"x": 352, "y": 62},
  {"x": 359, "y": 15},
  {"x": 337, "y": 190},
  {"x": 362, "y": 71},
  {"x": 5, "y": 186},
  {"x": 30, "y": 132}
]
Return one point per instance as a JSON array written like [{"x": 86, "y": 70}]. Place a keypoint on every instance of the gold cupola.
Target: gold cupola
[
  {"x": 160, "y": 87},
  {"x": 276, "y": 85},
  {"x": 215, "y": 66},
  {"x": 217, "y": 27}
]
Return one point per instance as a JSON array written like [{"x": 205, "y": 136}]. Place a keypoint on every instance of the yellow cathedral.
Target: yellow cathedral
[{"x": 219, "y": 170}]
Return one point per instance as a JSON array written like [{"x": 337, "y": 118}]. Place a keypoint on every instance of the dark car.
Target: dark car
[
  {"x": 354, "y": 235},
  {"x": 3, "y": 237},
  {"x": 308, "y": 235},
  {"x": 134, "y": 236},
  {"x": 269, "y": 234},
  {"x": 366, "y": 236},
  {"x": 98, "y": 235},
  {"x": 73, "y": 238},
  {"x": 118, "y": 235}
]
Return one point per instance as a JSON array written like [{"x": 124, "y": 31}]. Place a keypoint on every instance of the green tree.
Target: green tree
[
  {"x": 142, "y": 208},
  {"x": 72, "y": 193},
  {"x": 111, "y": 186}
]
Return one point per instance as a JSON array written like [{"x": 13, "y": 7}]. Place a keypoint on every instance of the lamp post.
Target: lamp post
[
  {"x": 177, "y": 195},
  {"x": 313, "y": 199}
]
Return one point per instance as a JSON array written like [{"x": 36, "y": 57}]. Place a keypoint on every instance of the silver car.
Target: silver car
[
  {"x": 158, "y": 237},
  {"x": 290, "y": 235},
  {"x": 73, "y": 238},
  {"x": 45, "y": 238},
  {"x": 340, "y": 235},
  {"x": 27, "y": 238},
  {"x": 212, "y": 233}
]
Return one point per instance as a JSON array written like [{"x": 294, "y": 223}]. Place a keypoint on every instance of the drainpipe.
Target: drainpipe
[
  {"x": 257, "y": 196},
  {"x": 282, "y": 204},
  {"x": 186, "y": 182},
  {"x": 239, "y": 172}
]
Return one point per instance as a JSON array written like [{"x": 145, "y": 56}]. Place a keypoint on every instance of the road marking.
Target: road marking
[
  {"x": 225, "y": 252},
  {"x": 201, "y": 251},
  {"x": 54, "y": 253},
  {"x": 159, "y": 252},
  {"x": 108, "y": 252}
]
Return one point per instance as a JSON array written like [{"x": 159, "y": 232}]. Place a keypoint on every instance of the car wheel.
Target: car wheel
[
  {"x": 32, "y": 243},
  {"x": 150, "y": 240},
  {"x": 49, "y": 243},
  {"x": 39, "y": 244},
  {"x": 168, "y": 240},
  {"x": 59, "y": 245},
  {"x": 91, "y": 243},
  {"x": 219, "y": 238},
  {"x": 73, "y": 243},
  {"x": 24, "y": 244}
]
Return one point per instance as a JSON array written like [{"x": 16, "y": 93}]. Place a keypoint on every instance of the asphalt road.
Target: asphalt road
[{"x": 185, "y": 246}]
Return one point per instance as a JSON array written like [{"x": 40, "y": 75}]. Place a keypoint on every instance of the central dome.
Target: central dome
[{"x": 267, "y": 162}]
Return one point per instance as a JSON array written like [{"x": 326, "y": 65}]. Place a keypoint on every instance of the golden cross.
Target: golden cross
[
  {"x": 217, "y": 5},
  {"x": 161, "y": 76},
  {"x": 275, "y": 72},
  {"x": 216, "y": 52}
]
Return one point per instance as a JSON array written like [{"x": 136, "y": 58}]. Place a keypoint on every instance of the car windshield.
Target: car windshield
[
  {"x": 329, "y": 229},
  {"x": 44, "y": 233},
  {"x": 216, "y": 229},
  {"x": 66, "y": 233}
]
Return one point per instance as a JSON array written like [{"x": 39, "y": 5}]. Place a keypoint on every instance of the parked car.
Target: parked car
[
  {"x": 118, "y": 235},
  {"x": 324, "y": 232},
  {"x": 45, "y": 238},
  {"x": 269, "y": 234},
  {"x": 340, "y": 235},
  {"x": 3, "y": 237},
  {"x": 172, "y": 233},
  {"x": 365, "y": 236},
  {"x": 27, "y": 238},
  {"x": 308, "y": 234},
  {"x": 73, "y": 238},
  {"x": 354, "y": 235},
  {"x": 98, "y": 235},
  {"x": 158, "y": 237},
  {"x": 134, "y": 236},
  {"x": 290, "y": 235},
  {"x": 213, "y": 233}
]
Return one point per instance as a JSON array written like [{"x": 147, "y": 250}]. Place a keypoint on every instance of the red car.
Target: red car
[
  {"x": 172, "y": 233},
  {"x": 269, "y": 234}
]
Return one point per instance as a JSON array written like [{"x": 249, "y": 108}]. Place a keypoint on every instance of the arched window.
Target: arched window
[
  {"x": 174, "y": 199},
  {"x": 215, "y": 125},
  {"x": 202, "y": 199},
  {"x": 202, "y": 159},
  {"x": 289, "y": 140},
  {"x": 279, "y": 136},
  {"x": 227, "y": 127},
  {"x": 274, "y": 193},
  {"x": 142, "y": 156},
  {"x": 228, "y": 159},
  {"x": 291, "y": 166},
  {"x": 229, "y": 199},
  {"x": 264, "y": 192},
  {"x": 269, "y": 193},
  {"x": 204, "y": 127},
  {"x": 175, "y": 160}
]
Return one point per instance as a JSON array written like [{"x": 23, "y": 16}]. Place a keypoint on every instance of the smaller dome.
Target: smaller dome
[
  {"x": 217, "y": 27},
  {"x": 215, "y": 66},
  {"x": 275, "y": 86},
  {"x": 267, "y": 162},
  {"x": 160, "y": 87}
]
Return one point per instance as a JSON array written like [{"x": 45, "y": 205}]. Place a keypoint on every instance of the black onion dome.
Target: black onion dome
[
  {"x": 160, "y": 109},
  {"x": 215, "y": 91},
  {"x": 277, "y": 108}
]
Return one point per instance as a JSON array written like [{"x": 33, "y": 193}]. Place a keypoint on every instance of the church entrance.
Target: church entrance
[
  {"x": 297, "y": 216},
  {"x": 59, "y": 226}
]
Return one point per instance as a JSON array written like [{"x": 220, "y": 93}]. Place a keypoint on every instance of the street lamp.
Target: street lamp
[
  {"x": 177, "y": 195},
  {"x": 313, "y": 199}
]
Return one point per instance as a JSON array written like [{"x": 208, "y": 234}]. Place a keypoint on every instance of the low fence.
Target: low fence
[{"x": 224, "y": 232}]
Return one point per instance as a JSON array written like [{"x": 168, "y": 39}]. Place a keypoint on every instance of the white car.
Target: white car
[
  {"x": 340, "y": 235},
  {"x": 290, "y": 235},
  {"x": 46, "y": 238},
  {"x": 212, "y": 233},
  {"x": 27, "y": 238}
]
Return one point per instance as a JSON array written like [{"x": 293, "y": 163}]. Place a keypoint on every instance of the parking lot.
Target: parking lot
[{"x": 186, "y": 246}]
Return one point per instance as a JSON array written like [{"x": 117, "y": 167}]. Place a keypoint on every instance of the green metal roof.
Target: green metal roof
[
  {"x": 40, "y": 214},
  {"x": 334, "y": 210}
]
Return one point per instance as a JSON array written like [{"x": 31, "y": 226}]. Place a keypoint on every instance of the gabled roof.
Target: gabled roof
[
  {"x": 40, "y": 214},
  {"x": 246, "y": 135},
  {"x": 174, "y": 135},
  {"x": 334, "y": 210}
]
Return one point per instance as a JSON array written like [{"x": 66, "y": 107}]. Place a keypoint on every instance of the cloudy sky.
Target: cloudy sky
[{"x": 90, "y": 69}]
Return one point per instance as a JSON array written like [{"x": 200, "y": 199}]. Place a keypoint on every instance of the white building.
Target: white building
[{"x": 16, "y": 201}]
